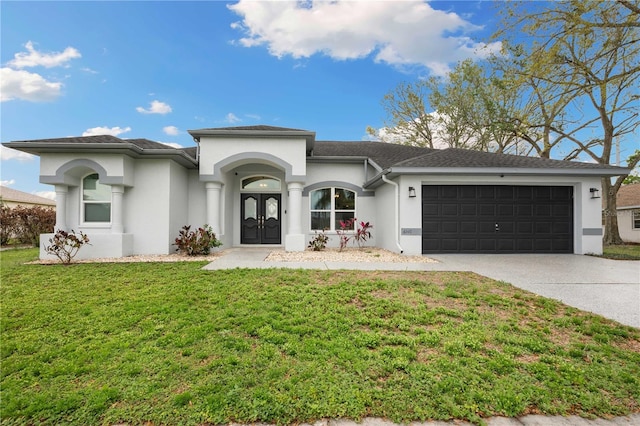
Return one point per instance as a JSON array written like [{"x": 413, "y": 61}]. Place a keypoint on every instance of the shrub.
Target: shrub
[
  {"x": 25, "y": 224},
  {"x": 7, "y": 224},
  {"x": 319, "y": 242},
  {"x": 200, "y": 241},
  {"x": 65, "y": 245},
  {"x": 361, "y": 235}
]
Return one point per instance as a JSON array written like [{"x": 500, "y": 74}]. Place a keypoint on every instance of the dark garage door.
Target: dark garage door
[{"x": 497, "y": 219}]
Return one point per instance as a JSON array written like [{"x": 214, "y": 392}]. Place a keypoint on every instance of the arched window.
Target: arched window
[
  {"x": 330, "y": 206},
  {"x": 96, "y": 200},
  {"x": 261, "y": 183}
]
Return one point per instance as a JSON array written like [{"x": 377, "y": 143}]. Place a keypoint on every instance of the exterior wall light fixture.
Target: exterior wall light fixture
[
  {"x": 595, "y": 193},
  {"x": 412, "y": 192}
]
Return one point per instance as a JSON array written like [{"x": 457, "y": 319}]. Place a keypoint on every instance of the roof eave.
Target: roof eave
[
  {"x": 514, "y": 171},
  {"x": 129, "y": 149},
  {"x": 336, "y": 159},
  {"x": 309, "y": 137},
  {"x": 394, "y": 172}
]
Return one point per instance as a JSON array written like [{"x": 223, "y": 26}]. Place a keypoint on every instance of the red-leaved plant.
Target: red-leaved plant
[{"x": 361, "y": 235}]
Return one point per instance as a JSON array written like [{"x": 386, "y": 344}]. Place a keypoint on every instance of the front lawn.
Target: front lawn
[
  {"x": 173, "y": 344},
  {"x": 622, "y": 252}
]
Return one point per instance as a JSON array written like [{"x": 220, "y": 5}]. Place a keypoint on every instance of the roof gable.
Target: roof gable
[
  {"x": 13, "y": 195},
  {"x": 628, "y": 196}
]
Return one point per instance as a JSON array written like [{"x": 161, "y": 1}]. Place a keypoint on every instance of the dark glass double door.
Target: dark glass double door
[{"x": 261, "y": 221}]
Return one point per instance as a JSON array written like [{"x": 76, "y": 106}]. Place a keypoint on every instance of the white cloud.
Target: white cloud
[
  {"x": 6, "y": 183},
  {"x": 46, "y": 194},
  {"x": 89, "y": 70},
  {"x": 113, "y": 131},
  {"x": 172, "y": 144},
  {"x": 400, "y": 33},
  {"x": 171, "y": 130},
  {"x": 14, "y": 154},
  {"x": 20, "y": 84},
  {"x": 33, "y": 58},
  {"x": 232, "y": 118},
  {"x": 156, "y": 107}
]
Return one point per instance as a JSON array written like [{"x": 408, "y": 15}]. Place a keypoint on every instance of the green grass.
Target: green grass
[
  {"x": 173, "y": 344},
  {"x": 622, "y": 252}
]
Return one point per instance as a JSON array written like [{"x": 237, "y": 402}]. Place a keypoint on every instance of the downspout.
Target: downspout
[
  {"x": 397, "y": 218},
  {"x": 197, "y": 141}
]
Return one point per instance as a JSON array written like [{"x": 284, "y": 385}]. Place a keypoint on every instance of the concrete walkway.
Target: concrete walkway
[{"x": 606, "y": 287}]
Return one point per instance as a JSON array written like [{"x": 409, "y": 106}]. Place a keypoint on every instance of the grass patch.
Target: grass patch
[
  {"x": 622, "y": 252},
  {"x": 172, "y": 344}
]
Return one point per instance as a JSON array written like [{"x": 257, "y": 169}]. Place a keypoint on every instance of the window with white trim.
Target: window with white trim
[
  {"x": 635, "y": 219},
  {"x": 96, "y": 200},
  {"x": 330, "y": 206}
]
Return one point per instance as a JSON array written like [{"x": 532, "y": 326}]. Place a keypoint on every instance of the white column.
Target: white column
[
  {"x": 295, "y": 207},
  {"x": 213, "y": 206},
  {"x": 61, "y": 207},
  {"x": 117, "y": 192},
  {"x": 294, "y": 240}
]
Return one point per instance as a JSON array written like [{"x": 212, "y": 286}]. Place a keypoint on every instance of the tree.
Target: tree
[
  {"x": 473, "y": 106},
  {"x": 408, "y": 121},
  {"x": 586, "y": 53}
]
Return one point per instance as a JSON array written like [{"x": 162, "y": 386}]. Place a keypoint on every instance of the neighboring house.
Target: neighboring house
[
  {"x": 628, "y": 204},
  {"x": 263, "y": 185},
  {"x": 12, "y": 198}
]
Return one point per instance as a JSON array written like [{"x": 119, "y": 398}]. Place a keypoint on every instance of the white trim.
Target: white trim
[{"x": 332, "y": 211}]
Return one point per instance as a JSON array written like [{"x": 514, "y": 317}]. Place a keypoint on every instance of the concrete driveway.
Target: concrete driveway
[{"x": 610, "y": 288}]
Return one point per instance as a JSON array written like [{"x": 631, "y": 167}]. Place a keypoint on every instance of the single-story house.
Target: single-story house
[
  {"x": 628, "y": 206},
  {"x": 264, "y": 185},
  {"x": 13, "y": 198}
]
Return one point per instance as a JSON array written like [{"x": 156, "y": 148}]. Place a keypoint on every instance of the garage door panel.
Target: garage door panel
[
  {"x": 524, "y": 245},
  {"x": 470, "y": 244},
  {"x": 506, "y": 210},
  {"x": 506, "y": 245},
  {"x": 430, "y": 210},
  {"x": 431, "y": 227},
  {"x": 468, "y": 210},
  {"x": 524, "y": 210},
  {"x": 450, "y": 244},
  {"x": 487, "y": 227},
  {"x": 450, "y": 209},
  {"x": 468, "y": 228},
  {"x": 486, "y": 209},
  {"x": 486, "y": 192},
  {"x": 524, "y": 228},
  {"x": 542, "y": 210},
  {"x": 530, "y": 219},
  {"x": 450, "y": 227},
  {"x": 448, "y": 192},
  {"x": 504, "y": 193}
]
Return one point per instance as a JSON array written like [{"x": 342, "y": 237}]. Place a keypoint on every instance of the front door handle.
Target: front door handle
[{"x": 497, "y": 227}]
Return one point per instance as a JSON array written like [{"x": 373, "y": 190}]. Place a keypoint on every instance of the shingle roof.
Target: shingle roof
[
  {"x": 456, "y": 157},
  {"x": 383, "y": 154},
  {"x": 628, "y": 195},
  {"x": 100, "y": 139},
  {"x": 10, "y": 194},
  {"x": 260, "y": 127}
]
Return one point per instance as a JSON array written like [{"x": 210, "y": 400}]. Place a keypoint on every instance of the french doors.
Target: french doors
[{"x": 260, "y": 221}]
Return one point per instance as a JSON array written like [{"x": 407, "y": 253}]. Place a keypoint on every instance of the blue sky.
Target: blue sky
[{"x": 156, "y": 69}]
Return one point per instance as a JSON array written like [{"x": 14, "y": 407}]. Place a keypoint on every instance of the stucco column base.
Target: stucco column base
[
  {"x": 101, "y": 245},
  {"x": 294, "y": 242}
]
